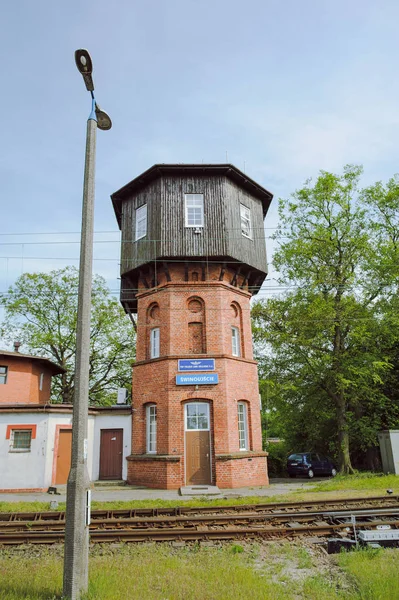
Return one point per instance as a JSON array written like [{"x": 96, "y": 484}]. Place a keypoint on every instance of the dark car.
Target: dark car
[{"x": 310, "y": 464}]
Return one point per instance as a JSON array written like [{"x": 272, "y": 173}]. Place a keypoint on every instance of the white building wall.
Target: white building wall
[
  {"x": 389, "y": 447},
  {"x": 23, "y": 470},
  {"x": 34, "y": 469},
  {"x": 112, "y": 421}
]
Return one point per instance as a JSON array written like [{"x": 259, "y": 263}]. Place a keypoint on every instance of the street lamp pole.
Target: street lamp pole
[{"x": 76, "y": 548}]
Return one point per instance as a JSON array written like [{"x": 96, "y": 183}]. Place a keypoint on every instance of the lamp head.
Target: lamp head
[
  {"x": 103, "y": 120},
  {"x": 85, "y": 67}
]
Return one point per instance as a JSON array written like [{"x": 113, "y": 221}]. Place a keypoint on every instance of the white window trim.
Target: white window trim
[
  {"x": 235, "y": 341},
  {"x": 4, "y": 375},
  {"x": 141, "y": 216},
  {"x": 41, "y": 378},
  {"x": 151, "y": 417},
  {"x": 207, "y": 415},
  {"x": 154, "y": 343},
  {"x": 18, "y": 450},
  {"x": 244, "y": 422},
  {"x": 186, "y": 196},
  {"x": 246, "y": 213}
]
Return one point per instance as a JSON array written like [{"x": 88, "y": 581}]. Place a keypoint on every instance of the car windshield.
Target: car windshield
[{"x": 295, "y": 457}]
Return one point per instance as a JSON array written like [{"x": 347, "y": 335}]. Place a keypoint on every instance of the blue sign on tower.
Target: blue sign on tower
[
  {"x": 197, "y": 364},
  {"x": 197, "y": 379}
]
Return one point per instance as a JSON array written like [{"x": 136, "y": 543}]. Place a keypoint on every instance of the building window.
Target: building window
[
  {"x": 235, "y": 341},
  {"x": 151, "y": 419},
  {"x": 20, "y": 440},
  {"x": 242, "y": 426},
  {"x": 3, "y": 374},
  {"x": 154, "y": 343},
  {"x": 246, "y": 225},
  {"x": 194, "y": 210},
  {"x": 141, "y": 222},
  {"x": 41, "y": 381},
  {"x": 197, "y": 416}
]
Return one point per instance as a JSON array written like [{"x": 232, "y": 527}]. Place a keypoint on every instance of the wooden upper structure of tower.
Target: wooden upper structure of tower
[{"x": 191, "y": 213}]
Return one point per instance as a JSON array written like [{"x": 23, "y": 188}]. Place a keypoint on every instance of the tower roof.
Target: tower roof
[{"x": 156, "y": 171}]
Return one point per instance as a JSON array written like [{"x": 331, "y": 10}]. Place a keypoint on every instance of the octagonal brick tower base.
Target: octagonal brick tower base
[{"x": 206, "y": 434}]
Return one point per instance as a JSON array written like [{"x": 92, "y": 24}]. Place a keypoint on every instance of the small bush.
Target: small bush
[{"x": 277, "y": 459}]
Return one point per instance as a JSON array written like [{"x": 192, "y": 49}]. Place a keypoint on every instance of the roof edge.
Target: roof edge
[{"x": 57, "y": 369}]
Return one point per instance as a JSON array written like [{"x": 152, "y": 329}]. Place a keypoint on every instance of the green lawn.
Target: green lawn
[{"x": 274, "y": 571}]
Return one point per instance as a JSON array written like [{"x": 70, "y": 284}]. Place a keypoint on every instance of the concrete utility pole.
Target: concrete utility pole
[{"x": 76, "y": 548}]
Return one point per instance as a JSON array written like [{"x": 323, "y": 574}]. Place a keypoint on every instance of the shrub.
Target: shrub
[{"x": 277, "y": 459}]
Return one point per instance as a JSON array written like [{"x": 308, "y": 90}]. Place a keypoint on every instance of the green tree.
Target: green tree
[
  {"x": 41, "y": 311},
  {"x": 324, "y": 338}
]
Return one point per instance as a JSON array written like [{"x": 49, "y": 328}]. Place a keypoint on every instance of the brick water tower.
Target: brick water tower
[{"x": 193, "y": 254}]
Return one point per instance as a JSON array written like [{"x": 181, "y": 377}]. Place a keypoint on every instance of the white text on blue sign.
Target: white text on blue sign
[
  {"x": 203, "y": 379},
  {"x": 196, "y": 364}
]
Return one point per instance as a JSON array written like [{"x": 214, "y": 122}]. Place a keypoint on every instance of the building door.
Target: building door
[
  {"x": 111, "y": 447},
  {"x": 63, "y": 464},
  {"x": 198, "y": 446}
]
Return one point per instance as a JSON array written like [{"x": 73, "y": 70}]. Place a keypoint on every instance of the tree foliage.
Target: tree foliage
[
  {"x": 41, "y": 311},
  {"x": 326, "y": 346}
]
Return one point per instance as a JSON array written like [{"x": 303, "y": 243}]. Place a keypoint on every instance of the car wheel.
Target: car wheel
[
  {"x": 333, "y": 472},
  {"x": 310, "y": 474}
]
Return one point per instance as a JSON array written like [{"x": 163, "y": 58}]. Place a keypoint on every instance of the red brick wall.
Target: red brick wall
[
  {"x": 22, "y": 385},
  {"x": 154, "y": 380}
]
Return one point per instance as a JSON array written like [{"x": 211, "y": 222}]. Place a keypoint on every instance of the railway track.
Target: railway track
[{"x": 267, "y": 521}]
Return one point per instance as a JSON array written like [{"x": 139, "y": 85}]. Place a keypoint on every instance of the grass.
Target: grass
[
  {"x": 275, "y": 571},
  {"x": 370, "y": 482},
  {"x": 157, "y": 572},
  {"x": 373, "y": 572}
]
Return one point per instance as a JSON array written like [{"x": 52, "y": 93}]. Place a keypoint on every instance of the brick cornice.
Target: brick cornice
[
  {"x": 156, "y": 457},
  {"x": 239, "y": 455},
  {"x": 194, "y": 356},
  {"x": 197, "y": 285}
]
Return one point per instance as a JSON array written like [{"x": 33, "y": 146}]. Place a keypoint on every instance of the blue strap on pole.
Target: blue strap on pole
[{"x": 93, "y": 115}]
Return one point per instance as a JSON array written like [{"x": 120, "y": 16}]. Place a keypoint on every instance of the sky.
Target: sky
[{"x": 279, "y": 89}]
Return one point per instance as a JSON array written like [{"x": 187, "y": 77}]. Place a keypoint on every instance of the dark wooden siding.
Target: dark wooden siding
[
  {"x": 135, "y": 254},
  {"x": 178, "y": 240},
  {"x": 249, "y": 251},
  {"x": 167, "y": 236}
]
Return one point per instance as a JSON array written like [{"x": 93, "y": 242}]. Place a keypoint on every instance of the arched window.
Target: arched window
[
  {"x": 151, "y": 428},
  {"x": 196, "y": 326},
  {"x": 236, "y": 329},
  {"x": 153, "y": 331},
  {"x": 243, "y": 439}
]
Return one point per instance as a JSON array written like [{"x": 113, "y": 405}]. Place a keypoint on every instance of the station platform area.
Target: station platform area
[{"x": 108, "y": 492}]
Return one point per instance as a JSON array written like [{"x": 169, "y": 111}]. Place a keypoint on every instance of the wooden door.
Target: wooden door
[
  {"x": 198, "y": 447},
  {"x": 198, "y": 466},
  {"x": 63, "y": 464},
  {"x": 111, "y": 448}
]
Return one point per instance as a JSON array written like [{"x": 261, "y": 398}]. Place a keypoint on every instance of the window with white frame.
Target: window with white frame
[
  {"x": 242, "y": 426},
  {"x": 141, "y": 222},
  {"x": 151, "y": 419},
  {"x": 235, "y": 341},
  {"x": 194, "y": 210},
  {"x": 3, "y": 374},
  {"x": 20, "y": 440},
  {"x": 246, "y": 224},
  {"x": 41, "y": 378},
  {"x": 154, "y": 343},
  {"x": 197, "y": 416}
]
